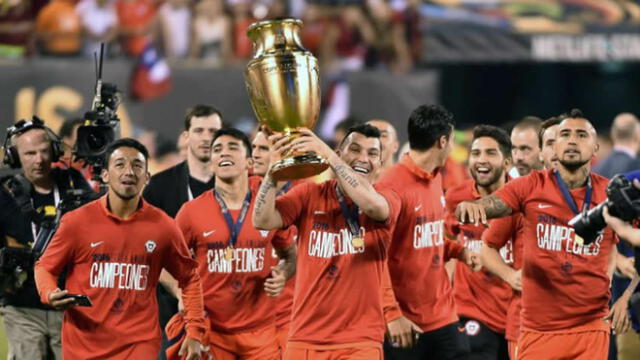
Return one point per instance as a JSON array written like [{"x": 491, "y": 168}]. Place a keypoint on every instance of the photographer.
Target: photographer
[{"x": 28, "y": 206}]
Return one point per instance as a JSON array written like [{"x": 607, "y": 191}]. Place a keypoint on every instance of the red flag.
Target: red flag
[{"x": 151, "y": 77}]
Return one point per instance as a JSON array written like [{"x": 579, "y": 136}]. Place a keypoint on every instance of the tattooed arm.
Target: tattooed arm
[
  {"x": 265, "y": 215},
  {"x": 488, "y": 207},
  {"x": 358, "y": 189}
]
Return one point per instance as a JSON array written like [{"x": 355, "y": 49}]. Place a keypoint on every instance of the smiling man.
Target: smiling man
[
  {"x": 565, "y": 283},
  {"x": 344, "y": 227},
  {"x": 114, "y": 249},
  {"x": 235, "y": 263},
  {"x": 482, "y": 299}
]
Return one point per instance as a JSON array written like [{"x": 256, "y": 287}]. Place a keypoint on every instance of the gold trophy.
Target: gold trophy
[{"x": 283, "y": 85}]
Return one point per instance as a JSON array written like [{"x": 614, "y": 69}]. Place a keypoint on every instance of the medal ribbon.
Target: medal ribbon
[
  {"x": 350, "y": 214},
  {"x": 569, "y": 199},
  {"x": 234, "y": 229}
]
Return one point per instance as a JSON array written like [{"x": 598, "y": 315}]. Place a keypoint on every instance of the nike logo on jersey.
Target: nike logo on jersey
[
  {"x": 207, "y": 233},
  {"x": 417, "y": 208},
  {"x": 94, "y": 244},
  {"x": 543, "y": 206}
]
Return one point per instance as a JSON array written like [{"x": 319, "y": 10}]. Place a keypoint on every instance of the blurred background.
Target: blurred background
[{"x": 488, "y": 61}]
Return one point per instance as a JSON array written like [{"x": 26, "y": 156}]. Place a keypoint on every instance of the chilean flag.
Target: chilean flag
[{"x": 151, "y": 76}]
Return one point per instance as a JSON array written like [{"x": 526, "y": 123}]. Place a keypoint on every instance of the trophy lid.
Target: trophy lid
[{"x": 275, "y": 36}]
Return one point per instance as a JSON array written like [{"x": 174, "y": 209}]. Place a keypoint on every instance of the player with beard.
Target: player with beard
[
  {"x": 238, "y": 272},
  {"x": 548, "y": 133},
  {"x": 344, "y": 227},
  {"x": 565, "y": 282},
  {"x": 114, "y": 249},
  {"x": 481, "y": 298},
  {"x": 419, "y": 251},
  {"x": 525, "y": 149}
]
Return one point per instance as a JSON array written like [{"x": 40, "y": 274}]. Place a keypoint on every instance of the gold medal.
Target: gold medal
[
  {"x": 228, "y": 253},
  {"x": 357, "y": 241}
]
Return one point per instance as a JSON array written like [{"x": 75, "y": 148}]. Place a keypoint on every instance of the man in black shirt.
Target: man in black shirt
[
  {"x": 171, "y": 188},
  {"x": 32, "y": 328}
]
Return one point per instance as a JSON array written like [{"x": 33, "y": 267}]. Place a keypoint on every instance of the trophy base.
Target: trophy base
[{"x": 298, "y": 167}]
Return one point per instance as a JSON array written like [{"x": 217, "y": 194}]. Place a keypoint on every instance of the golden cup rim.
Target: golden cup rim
[{"x": 264, "y": 23}]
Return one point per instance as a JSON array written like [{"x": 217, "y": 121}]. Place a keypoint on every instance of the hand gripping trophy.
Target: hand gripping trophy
[{"x": 283, "y": 85}]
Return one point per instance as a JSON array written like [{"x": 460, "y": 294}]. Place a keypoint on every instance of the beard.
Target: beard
[
  {"x": 573, "y": 165},
  {"x": 126, "y": 196},
  {"x": 494, "y": 177},
  {"x": 202, "y": 158}
]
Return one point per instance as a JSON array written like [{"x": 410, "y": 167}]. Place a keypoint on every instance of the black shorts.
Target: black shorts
[
  {"x": 445, "y": 343},
  {"x": 484, "y": 343}
]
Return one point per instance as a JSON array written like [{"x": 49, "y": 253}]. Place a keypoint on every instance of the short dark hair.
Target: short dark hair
[
  {"x": 572, "y": 114},
  {"x": 66, "y": 129},
  {"x": 234, "y": 133},
  {"x": 552, "y": 121},
  {"x": 497, "y": 134},
  {"x": 126, "y": 142},
  {"x": 199, "y": 111},
  {"x": 364, "y": 129},
  {"x": 427, "y": 124},
  {"x": 528, "y": 122}
]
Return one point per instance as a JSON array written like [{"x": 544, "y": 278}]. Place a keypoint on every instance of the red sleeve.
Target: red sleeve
[
  {"x": 390, "y": 306},
  {"x": 394, "y": 202},
  {"x": 500, "y": 231},
  {"x": 184, "y": 224},
  {"x": 451, "y": 224},
  {"x": 291, "y": 204},
  {"x": 284, "y": 238},
  {"x": 183, "y": 268},
  {"x": 58, "y": 254},
  {"x": 516, "y": 191},
  {"x": 452, "y": 250}
]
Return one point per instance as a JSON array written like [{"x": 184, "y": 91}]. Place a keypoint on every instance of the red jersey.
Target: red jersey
[
  {"x": 117, "y": 262},
  {"x": 479, "y": 295},
  {"x": 234, "y": 296},
  {"x": 418, "y": 249},
  {"x": 501, "y": 231},
  {"x": 337, "y": 296},
  {"x": 565, "y": 284}
]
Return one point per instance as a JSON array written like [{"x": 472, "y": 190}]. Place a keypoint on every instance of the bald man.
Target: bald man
[
  {"x": 625, "y": 134},
  {"x": 525, "y": 149},
  {"x": 389, "y": 140}
]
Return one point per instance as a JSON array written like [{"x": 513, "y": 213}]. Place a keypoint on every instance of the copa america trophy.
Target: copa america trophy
[{"x": 283, "y": 85}]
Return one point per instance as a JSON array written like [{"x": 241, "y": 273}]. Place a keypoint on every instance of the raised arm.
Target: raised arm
[
  {"x": 355, "y": 186},
  {"x": 265, "y": 215}
]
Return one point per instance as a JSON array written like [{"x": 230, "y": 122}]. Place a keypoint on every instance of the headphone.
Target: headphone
[{"x": 11, "y": 157}]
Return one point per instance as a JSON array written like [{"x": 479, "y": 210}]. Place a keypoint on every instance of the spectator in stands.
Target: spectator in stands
[
  {"x": 242, "y": 19},
  {"x": 58, "y": 29},
  {"x": 137, "y": 21},
  {"x": 390, "y": 48},
  {"x": 346, "y": 40},
  {"x": 99, "y": 24},
  {"x": 17, "y": 20},
  {"x": 315, "y": 25},
  {"x": 211, "y": 33},
  {"x": 175, "y": 26}
]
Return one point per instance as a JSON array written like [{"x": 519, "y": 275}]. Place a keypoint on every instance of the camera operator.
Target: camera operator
[{"x": 29, "y": 205}]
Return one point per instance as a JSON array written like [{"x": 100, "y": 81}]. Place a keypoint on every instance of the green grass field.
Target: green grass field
[{"x": 3, "y": 342}]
